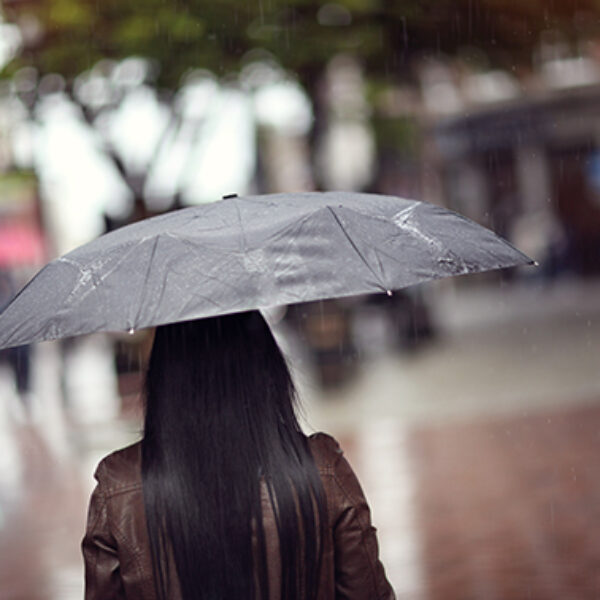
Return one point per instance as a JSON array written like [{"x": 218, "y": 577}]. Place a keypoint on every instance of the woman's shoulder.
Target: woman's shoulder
[
  {"x": 325, "y": 450},
  {"x": 120, "y": 470}
]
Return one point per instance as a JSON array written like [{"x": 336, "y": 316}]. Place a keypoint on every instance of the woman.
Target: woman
[{"x": 225, "y": 497}]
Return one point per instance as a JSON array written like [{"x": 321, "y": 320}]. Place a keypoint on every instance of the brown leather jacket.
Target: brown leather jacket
[{"x": 117, "y": 557}]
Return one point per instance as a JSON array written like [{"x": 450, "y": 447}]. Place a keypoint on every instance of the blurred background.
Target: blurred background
[{"x": 470, "y": 408}]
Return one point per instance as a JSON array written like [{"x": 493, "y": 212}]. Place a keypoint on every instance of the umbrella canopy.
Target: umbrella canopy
[{"x": 245, "y": 253}]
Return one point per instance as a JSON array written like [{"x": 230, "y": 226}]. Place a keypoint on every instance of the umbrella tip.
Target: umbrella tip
[
  {"x": 389, "y": 292},
  {"x": 131, "y": 331}
]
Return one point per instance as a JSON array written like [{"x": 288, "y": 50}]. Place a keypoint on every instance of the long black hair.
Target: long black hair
[{"x": 219, "y": 426}]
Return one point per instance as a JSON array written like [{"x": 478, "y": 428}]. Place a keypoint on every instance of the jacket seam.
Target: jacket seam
[
  {"x": 355, "y": 517},
  {"x": 102, "y": 504},
  {"x": 117, "y": 491},
  {"x": 123, "y": 541}
]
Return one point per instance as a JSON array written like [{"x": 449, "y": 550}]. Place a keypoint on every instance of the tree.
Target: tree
[
  {"x": 301, "y": 34},
  {"x": 69, "y": 37}
]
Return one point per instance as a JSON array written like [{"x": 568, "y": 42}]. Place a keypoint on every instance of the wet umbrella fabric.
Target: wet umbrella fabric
[{"x": 239, "y": 254}]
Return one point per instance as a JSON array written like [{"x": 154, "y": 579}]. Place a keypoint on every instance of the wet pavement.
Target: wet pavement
[
  {"x": 510, "y": 508},
  {"x": 41, "y": 517},
  {"x": 478, "y": 456}
]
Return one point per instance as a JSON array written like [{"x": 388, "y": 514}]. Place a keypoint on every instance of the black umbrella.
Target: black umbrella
[{"x": 244, "y": 253}]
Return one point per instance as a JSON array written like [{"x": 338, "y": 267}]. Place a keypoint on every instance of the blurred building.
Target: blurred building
[
  {"x": 520, "y": 156},
  {"x": 530, "y": 168}
]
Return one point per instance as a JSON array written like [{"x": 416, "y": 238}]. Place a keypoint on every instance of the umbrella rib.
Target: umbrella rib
[
  {"x": 141, "y": 296},
  {"x": 357, "y": 250},
  {"x": 239, "y": 215}
]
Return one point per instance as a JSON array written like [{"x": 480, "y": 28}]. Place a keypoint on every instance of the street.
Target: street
[{"x": 478, "y": 455}]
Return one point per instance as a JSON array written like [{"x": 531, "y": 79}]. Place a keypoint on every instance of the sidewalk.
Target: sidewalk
[
  {"x": 499, "y": 352},
  {"x": 509, "y": 508},
  {"x": 465, "y": 450},
  {"x": 477, "y": 455}
]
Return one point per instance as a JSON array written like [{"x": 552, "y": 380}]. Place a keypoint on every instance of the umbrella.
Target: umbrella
[{"x": 239, "y": 254}]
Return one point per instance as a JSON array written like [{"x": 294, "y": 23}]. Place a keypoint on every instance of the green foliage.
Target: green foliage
[
  {"x": 385, "y": 34},
  {"x": 65, "y": 14},
  {"x": 400, "y": 135}
]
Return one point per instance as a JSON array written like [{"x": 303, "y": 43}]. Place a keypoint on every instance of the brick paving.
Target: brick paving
[
  {"x": 473, "y": 498},
  {"x": 510, "y": 508},
  {"x": 505, "y": 509},
  {"x": 40, "y": 524}
]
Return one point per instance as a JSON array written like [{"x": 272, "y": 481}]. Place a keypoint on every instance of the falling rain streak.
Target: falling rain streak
[{"x": 454, "y": 400}]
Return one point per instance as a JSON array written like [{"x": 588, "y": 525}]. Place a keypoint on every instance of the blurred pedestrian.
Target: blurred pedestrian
[
  {"x": 18, "y": 358},
  {"x": 225, "y": 496}
]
